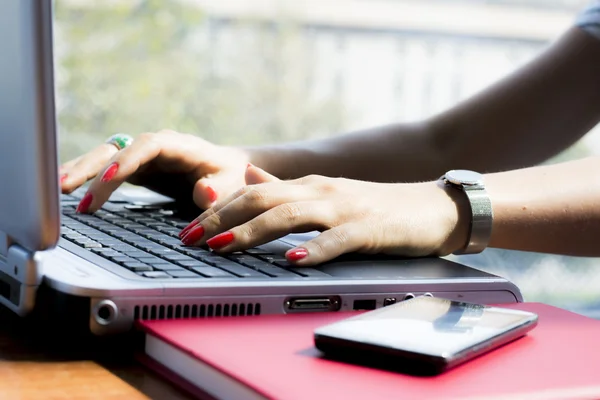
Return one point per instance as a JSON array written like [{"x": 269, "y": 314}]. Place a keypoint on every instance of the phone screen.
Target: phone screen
[{"x": 429, "y": 326}]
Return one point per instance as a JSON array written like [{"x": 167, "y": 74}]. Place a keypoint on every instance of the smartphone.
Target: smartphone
[{"x": 423, "y": 335}]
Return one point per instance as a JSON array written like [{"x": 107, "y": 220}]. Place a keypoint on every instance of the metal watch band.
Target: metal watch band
[
  {"x": 481, "y": 219},
  {"x": 482, "y": 215}
]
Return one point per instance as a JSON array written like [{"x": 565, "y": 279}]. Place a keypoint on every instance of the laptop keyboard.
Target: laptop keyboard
[{"x": 147, "y": 243}]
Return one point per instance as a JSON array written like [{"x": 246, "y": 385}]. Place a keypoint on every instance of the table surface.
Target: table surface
[{"x": 34, "y": 366}]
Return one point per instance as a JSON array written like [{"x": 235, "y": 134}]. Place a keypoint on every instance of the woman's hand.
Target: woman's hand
[
  {"x": 168, "y": 162},
  {"x": 406, "y": 219}
]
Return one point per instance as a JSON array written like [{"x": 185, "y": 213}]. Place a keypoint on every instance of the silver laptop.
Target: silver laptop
[{"x": 126, "y": 261}]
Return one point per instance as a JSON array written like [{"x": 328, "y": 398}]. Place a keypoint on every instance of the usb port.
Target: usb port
[{"x": 365, "y": 304}]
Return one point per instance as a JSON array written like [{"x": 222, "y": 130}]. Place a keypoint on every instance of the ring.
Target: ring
[{"x": 120, "y": 140}]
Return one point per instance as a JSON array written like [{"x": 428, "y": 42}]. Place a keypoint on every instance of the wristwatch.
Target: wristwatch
[{"x": 482, "y": 215}]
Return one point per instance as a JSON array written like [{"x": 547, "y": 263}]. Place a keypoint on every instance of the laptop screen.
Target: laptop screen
[{"x": 29, "y": 208}]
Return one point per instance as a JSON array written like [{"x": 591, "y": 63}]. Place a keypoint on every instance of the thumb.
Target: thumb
[
  {"x": 207, "y": 191},
  {"x": 255, "y": 175}
]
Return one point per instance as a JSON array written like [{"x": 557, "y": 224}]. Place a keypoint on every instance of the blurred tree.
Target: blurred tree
[{"x": 145, "y": 65}]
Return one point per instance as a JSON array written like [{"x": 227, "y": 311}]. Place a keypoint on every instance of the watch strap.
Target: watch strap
[{"x": 480, "y": 229}]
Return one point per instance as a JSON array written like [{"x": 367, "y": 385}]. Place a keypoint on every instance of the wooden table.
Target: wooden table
[{"x": 35, "y": 366}]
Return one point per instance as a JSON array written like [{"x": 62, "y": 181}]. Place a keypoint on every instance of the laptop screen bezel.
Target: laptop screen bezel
[{"x": 29, "y": 203}]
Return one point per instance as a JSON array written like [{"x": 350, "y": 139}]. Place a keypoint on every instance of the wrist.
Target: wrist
[{"x": 457, "y": 211}]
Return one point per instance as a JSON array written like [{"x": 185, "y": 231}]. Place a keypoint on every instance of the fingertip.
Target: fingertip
[
  {"x": 205, "y": 194},
  {"x": 211, "y": 194},
  {"x": 84, "y": 204},
  {"x": 296, "y": 254}
]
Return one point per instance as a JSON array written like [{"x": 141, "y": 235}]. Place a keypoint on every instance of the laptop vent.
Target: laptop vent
[{"x": 195, "y": 311}]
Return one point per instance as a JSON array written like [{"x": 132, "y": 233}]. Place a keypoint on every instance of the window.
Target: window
[{"x": 255, "y": 71}]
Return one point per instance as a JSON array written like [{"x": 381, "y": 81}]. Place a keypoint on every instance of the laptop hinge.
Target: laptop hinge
[{"x": 18, "y": 262}]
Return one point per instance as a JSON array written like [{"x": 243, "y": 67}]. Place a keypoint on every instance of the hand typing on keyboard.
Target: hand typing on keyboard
[
  {"x": 167, "y": 162},
  {"x": 408, "y": 219},
  {"x": 147, "y": 243}
]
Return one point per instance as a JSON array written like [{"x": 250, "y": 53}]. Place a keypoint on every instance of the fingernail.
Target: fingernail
[
  {"x": 63, "y": 178},
  {"x": 249, "y": 165},
  {"x": 221, "y": 240},
  {"x": 185, "y": 230},
  {"x": 84, "y": 204},
  {"x": 193, "y": 235},
  {"x": 296, "y": 254},
  {"x": 110, "y": 172},
  {"x": 212, "y": 194}
]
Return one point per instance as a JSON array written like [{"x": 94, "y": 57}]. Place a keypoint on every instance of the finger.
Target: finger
[
  {"x": 86, "y": 167},
  {"x": 203, "y": 191},
  {"x": 253, "y": 201},
  {"x": 275, "y": 223},
  {"x": 68, "y": 165},
  {"x": 121, "y": 166},
  {"x": 255, "y": 175},
  {"x": 208, "y": 190},
  {"x": 332, "y": 243}
]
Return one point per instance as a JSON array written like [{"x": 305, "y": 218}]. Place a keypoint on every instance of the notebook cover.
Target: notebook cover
[{"x": 275, "y": 356}]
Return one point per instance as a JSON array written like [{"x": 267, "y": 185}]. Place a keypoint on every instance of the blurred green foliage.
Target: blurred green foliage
[{"x": 139, "y": 66}]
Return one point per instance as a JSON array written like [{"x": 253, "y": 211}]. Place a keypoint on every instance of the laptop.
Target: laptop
[{"x": 126, "y": 262}]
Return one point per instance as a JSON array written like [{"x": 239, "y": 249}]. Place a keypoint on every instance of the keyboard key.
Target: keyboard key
[
  {"x": 183, "y": 274},
  {"x": 178, "y": 257},
  {"x": 275, "y": 272},
  {"x": 169, "y": 230},
  {"x": 212, "y": 272},
  {"x": 92, "y": 245},
  {"x": 273, "y": 258},
  {"x": 109, "y": 242},
  {"x": 104, "y": 252},
  {"x": 164, "y": 266},
  {"x": 161, "y": 251},
  {"x": 124, "y": 248},
  {"x": 257, "y": 251},
  {"x": 193, "y": 264},
  {"x": 123, "y": 259},
  {"x": 309, "y": 272},
  {"x": 150, "y": 259},
  {"x": 194, "y": 252},
  {"x": 170, "y": 242},
  {"x": 137, "y": 266},
  {"x": 139, "y": 254},
  {"x": 155, "y": 274},
  {"x": 242, "y": 271}
]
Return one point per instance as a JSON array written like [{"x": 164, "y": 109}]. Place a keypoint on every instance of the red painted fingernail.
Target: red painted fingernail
[
  {"x": 221, "y": 240},
  {"x": 110, "y": 172},
  {"x": 185, "y": 230},
  {"x": 296, "y": 254},
  {"x": 85, "y": 203},
  {"x": 63, "y": 178},
  {"x": 193, "y": 235},
  {"x": 212, "y": 194}
]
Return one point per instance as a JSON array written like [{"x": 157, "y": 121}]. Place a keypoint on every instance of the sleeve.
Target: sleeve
[{"x": 589, "y": 19}]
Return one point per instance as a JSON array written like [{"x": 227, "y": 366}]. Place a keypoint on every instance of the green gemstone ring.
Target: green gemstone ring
[{"x": 120, "y": 140}]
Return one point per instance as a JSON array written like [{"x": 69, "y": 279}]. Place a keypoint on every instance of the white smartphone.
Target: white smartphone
[{"x": 424, "y": 335}]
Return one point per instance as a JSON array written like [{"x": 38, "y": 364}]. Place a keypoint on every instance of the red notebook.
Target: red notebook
[{"x": 274, "y": 357}]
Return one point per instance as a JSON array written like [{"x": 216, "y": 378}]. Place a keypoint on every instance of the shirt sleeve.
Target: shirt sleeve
[{"x": 589, "y": 19}]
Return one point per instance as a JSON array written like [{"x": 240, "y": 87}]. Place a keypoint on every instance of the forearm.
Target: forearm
[
  {"x": 551, "y": 209},
  {"x": 526, "y": 118},
  {"x": 394, "y": 153},
  {"x": 529, "y": 116}
]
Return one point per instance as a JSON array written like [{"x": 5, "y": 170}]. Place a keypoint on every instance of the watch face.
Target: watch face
[{"x": 464, "y": 177}]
